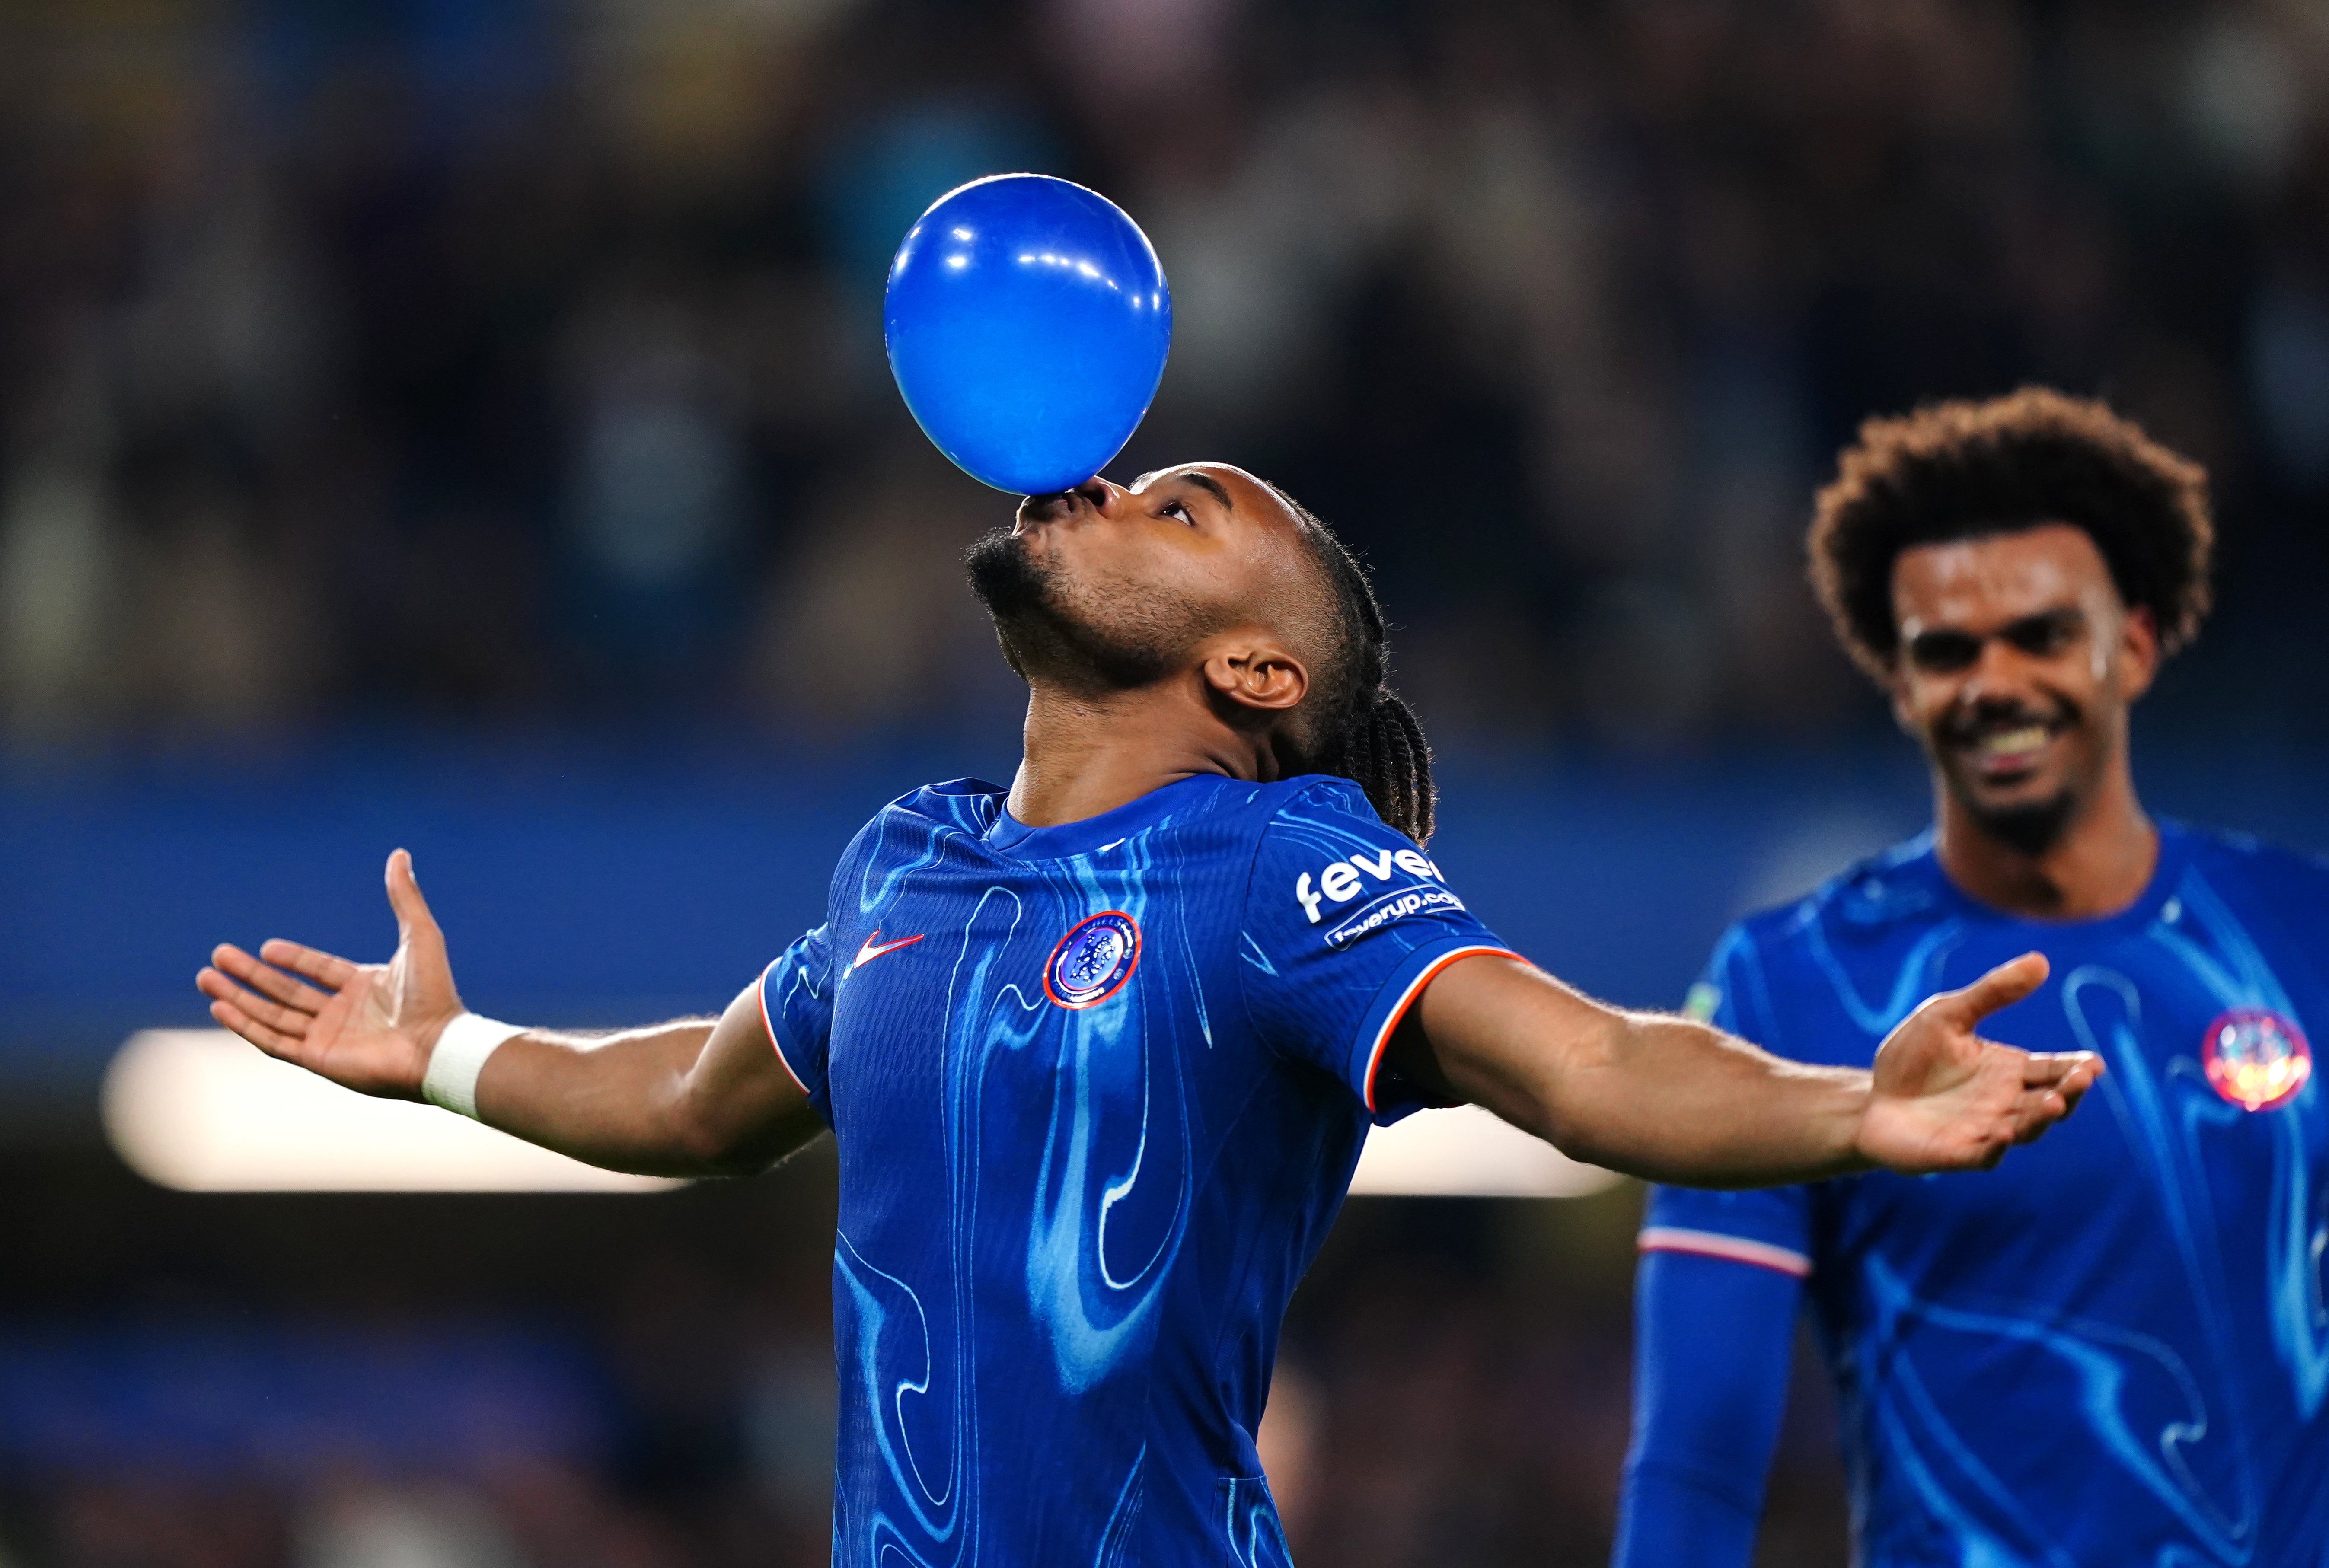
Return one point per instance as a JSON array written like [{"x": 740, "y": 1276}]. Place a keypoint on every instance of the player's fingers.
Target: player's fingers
[
  {"x": 2002, "y": 987},
  {"x": 2081, "y": 1070},
  {"x": 2060, "y": 1068},
  {"x": 2040, "y": 1109},
  {"x": 288, "y": 1022},
  {"x": 274, "y": 1042},
  {"x": 327, "y": 969},
  {"x": 268, "y": 981},
  {"x": 404, "y": 894}
]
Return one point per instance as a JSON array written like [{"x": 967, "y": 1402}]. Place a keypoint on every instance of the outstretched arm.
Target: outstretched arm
[
  {"x": 699, "y": 1097},
  {"x": 1670, "y": 1100}
]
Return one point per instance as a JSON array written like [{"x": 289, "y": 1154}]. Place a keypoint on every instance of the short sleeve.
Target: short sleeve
[
  {"x": 1345, "y": 922},
  {"x": 1770, "y": 1227},
  {"x": 796, "y": 1004}
]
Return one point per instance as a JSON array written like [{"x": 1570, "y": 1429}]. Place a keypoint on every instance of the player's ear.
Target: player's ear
[
  {"x": 2139, "y": 651},
  {"x": 1257, "y": 672},
  {"x": 1896, "y": 693}
]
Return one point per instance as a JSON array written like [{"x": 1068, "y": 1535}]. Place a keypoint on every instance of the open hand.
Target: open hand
[
  {"x": 369, "y": 1027},
  {"x": 1945, "y": 1099}
]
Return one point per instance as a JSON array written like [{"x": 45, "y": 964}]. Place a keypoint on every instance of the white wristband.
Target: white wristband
[{"x": 461, "y": 1056}]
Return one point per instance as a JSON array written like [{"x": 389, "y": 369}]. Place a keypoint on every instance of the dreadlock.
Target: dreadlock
[{"x": 1364, "y": 733}]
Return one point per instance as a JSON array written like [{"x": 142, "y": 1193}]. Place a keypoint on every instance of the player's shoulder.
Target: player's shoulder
[
  {"x": 1193, "y": 820},
  {"x": 1282, "y": 816},
  {"x": 1779, "y": 975},
  {"x": 2257, "y": 866},
  {"x": 970, "y": 804},
  {"x": 1895, "y": 890},
  {"x": 907, "y": 825},
  {"x": 1251, "y": 805},
  {"x": 2223, "y": 847},
  {"x": 1206, "y": 816},
  {"x": 1319, "y": 804}
]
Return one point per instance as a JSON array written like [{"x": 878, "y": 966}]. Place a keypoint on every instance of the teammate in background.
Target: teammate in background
[
  {"x": 2114, "y": 1351},
  {"x": 1099, "y": 1051}
]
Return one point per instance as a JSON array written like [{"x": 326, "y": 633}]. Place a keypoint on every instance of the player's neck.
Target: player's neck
[
  {"x": 2100, "y": 863},
  {"x": 1087, "y": 755}
]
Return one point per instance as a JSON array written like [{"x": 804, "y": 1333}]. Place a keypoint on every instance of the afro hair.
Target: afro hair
[{"x": 1960, "y": 470}]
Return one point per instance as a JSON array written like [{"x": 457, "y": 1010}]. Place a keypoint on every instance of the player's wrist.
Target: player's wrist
[
  {"x": 1863, "y": 1117},
  {"x": 457, "y": 1059}
]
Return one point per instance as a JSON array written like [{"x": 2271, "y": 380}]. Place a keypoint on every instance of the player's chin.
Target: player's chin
[{"x": 2007, "y": 795}]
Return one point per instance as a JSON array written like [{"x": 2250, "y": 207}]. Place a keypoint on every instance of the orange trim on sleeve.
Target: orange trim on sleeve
[{"x": 1407, "y": 1000}]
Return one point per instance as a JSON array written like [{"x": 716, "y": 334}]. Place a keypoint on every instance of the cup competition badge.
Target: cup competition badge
[{"x": 2256, "y": 1057}]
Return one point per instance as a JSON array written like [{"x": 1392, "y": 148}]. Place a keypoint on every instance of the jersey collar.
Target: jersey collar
[
  {"x": 1012, "y": 837},
  {"x": 2166, "y": 875}
]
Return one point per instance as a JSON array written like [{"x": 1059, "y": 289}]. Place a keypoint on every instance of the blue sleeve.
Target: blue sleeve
[
  {"x": 1714, "y": 1310},
  {"x": 1712, "y": 1341},
  {"x": 1345, "y": 922},
  {"x": 796, "y": 1004}
]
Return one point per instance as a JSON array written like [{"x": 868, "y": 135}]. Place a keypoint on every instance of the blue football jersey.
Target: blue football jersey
[
  {"x": 2113, "y": 1349},
  {"x": 1097, "y": 1090}
]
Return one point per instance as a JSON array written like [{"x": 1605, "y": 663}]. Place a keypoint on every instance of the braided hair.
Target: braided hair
[{"x": 1362, "y": 731}]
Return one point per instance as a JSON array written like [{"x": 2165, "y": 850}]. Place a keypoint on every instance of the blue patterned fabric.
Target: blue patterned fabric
[
  {"x": 1097, "y": 1090},
  {"x": 2114, "y": 1349}
]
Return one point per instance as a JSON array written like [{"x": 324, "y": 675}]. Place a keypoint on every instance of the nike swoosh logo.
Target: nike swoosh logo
[{"x": 875, "y": 947}]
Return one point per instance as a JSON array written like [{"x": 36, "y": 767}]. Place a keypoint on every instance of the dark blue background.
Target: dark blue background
[{"x": 597, "y": 883}]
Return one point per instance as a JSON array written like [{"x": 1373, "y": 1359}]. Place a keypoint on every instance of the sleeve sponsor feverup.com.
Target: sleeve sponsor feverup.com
[{"x": 1341, "y": 881}]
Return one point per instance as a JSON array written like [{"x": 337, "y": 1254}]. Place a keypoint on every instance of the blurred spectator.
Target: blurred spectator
[
  {"x": 518, "y": 362},
  {"x": 526, "y": 362}
]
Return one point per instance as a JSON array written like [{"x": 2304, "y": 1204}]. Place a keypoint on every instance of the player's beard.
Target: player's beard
[
  {"x": 1087, "y": 640},
  {"x": 2029, "y": 828}
]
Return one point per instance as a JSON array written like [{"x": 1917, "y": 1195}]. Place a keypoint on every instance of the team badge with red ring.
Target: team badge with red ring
[
  {"x": 1093, "y": 959},
  {"x": 2256, "y": 1059}
]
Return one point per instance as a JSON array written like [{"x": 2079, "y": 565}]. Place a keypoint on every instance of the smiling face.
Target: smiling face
[
  {"x": 2017, "y": 663},
  {"x": 1108, "y": 587}
]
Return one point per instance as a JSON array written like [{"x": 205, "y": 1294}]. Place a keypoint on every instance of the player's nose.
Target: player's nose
[
  {"x": 1101, "y": 496},
  {"x": 2000, "y": 672}
]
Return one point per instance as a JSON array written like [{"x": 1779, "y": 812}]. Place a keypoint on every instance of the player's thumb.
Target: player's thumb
[
  {"x": 412, "y": 916},
  {"x": 2002, "y": 987}
]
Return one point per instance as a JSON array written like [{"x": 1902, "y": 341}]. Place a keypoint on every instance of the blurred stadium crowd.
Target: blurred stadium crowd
[
  {"x": 518, "y": 360},
  {"x": 305, "y": 1381},
  {"x": 515, "y": 364}
]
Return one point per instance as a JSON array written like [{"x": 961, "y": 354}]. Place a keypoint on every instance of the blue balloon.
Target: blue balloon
[{"x": 1027, "y": 320}]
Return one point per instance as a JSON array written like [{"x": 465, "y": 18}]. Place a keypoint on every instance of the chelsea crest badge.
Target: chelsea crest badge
[{"x": 1093, "y": 959}]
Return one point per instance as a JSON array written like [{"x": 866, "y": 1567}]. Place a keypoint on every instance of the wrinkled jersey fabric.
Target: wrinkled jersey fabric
[
  {"x": 1097, "y": 1091},
  {"x": 2114, "y": 1347}
]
